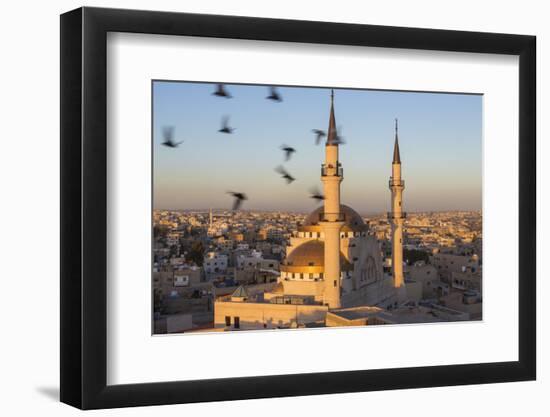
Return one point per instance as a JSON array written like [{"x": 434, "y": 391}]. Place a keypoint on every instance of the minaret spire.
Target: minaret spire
[
  {"x": 332, "y": 133},
  {"x": 397, "y": 218},
  {"x": 331, "y": 220},
  {"x": 396, "y": 156}
]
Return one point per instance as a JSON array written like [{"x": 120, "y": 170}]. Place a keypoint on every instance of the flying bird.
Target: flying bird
[
  {"x": 284, "y": 173},
  {"x": 168, "y": 135},
  {"x": 288, "y": 151},
  {"x": 221, "y": 91},
  {"x": 239, "y": 198},
  {"x": 316, "y": 194},
  {"x": 274, "y": 95},
  {"x": 225, "y": 126},
  {"x": 319, "y": 135},
  {"x": 339, "y": 139}
]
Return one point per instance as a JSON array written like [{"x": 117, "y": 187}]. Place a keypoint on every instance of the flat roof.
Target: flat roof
[{"x": 354, "y": 313}]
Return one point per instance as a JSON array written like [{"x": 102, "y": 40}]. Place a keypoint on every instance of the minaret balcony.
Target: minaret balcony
[
  {"x": 396, "y": 216},
  {"x": 396, "y": 183},
  {"x": 332, "y": 217},
  {"x": 332, "y": 171}
]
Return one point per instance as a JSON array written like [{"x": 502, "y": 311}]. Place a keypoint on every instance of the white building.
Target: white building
[{"x": 215, "y": 262}]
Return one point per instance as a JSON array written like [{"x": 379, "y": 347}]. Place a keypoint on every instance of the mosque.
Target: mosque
[{"x": 333, "y": 272}]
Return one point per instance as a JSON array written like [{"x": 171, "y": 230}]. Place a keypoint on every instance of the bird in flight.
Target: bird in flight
[
  {"x": 221, "y": 91},
  {"x": 284, "y": 173},
  {"x": 168, "y": 136},
  {"x": 274, "y": 95},
  {"x": 225, "y": 126},
  {"x": 319, "y": 134},
  {"x": 316, "y": 194},
  {"x": 339, "y": 139},
  {"x": 288, "y": 151},
  {"x": 239, "y": 198}
]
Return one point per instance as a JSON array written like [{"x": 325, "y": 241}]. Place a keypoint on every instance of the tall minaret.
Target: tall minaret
[
  {"x": 397, "y": 216},
  {"x": 210, "y": 218},
  {"x": 332, "y": 219}
]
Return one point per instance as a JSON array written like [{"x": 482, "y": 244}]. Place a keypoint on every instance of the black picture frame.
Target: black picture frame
[{"x": 84, "y": 207}]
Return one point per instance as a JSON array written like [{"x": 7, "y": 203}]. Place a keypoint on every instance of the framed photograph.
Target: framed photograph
[{"x": 258, "y": 208}]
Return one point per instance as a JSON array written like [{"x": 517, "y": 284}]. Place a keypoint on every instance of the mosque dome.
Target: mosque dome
[
  {"x": 310, "y": 253},
  {"x": 310, "y": 257},
  {"x": 352, "y": 220}
]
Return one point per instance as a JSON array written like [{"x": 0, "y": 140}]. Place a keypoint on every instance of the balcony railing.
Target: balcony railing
[
  {"x": 332, "y": 171},
  {"x": 332, "y": 217},
  {"x": 396, "y": 183},
  {"x": 392, "y": 216}
]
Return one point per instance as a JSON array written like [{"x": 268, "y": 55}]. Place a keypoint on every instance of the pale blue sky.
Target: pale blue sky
[{"x": 440, "y": 138}]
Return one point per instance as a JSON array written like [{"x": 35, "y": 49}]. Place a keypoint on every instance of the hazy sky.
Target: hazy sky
[{"x": 440, "y": 138}]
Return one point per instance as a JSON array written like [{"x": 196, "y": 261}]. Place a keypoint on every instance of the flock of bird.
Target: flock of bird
[{"x": 275, "y": 96}]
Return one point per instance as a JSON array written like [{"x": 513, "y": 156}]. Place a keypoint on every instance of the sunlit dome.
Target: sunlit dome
[
  {"x": 310, "y": 253},
  {"x": 352, "y": 219},
  {"x": 310, "y": 256}
]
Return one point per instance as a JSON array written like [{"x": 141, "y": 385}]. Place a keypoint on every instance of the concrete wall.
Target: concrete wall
[
  {"x": 258, "y": 315},
  {"x": 314, "y": 288},
  {"x": 164, "y": 281},
  {"x": 334, "y": 320},
  {"x": 379, "y": 293},
  {"x": 426, "y": 275},
  {"x": 414, "y": 290},
  {"x": 179, "y": 323},
  {"x": 447, "y": 263},
  {"x": 365, "y": 271}
]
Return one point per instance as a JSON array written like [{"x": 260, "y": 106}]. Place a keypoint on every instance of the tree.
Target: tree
[
  {"x": 196, "y": 253},
  {"x": 414, "y": 255}
]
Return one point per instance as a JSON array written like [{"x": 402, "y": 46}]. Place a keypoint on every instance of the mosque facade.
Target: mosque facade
[{"x": 333, "y": 268}]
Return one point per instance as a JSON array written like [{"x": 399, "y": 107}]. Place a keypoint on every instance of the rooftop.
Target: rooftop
[{"x": 354, "y": 313}]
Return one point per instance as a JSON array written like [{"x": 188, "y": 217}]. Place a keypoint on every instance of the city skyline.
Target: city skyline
[{"x": 440, "y": 140}]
